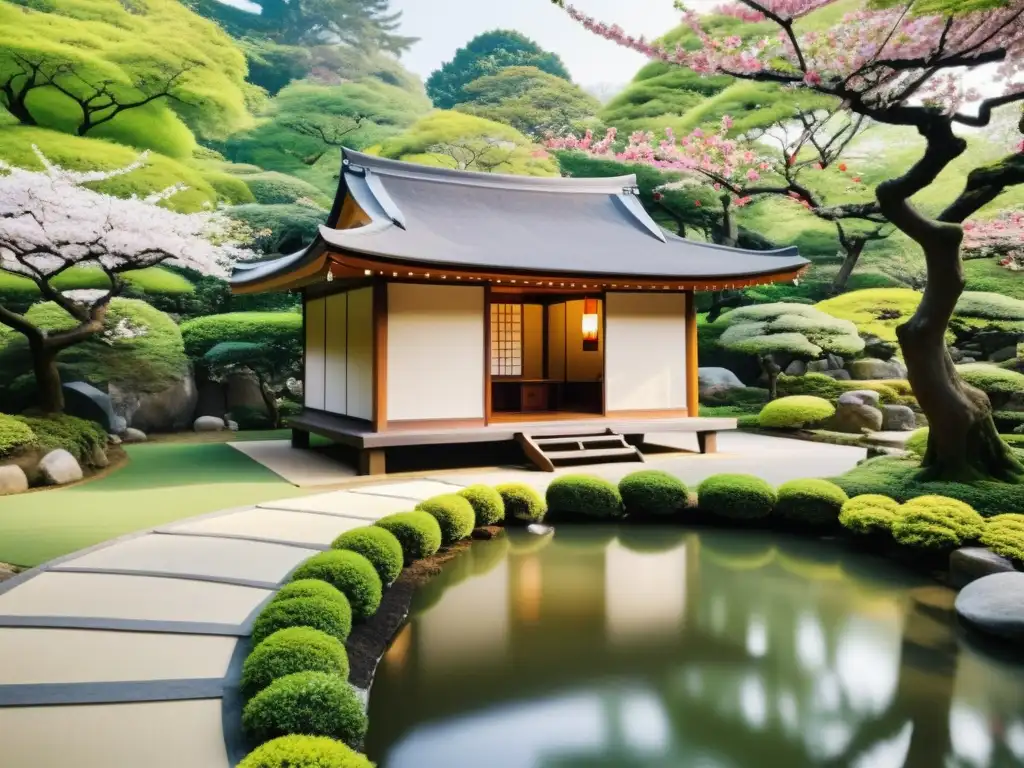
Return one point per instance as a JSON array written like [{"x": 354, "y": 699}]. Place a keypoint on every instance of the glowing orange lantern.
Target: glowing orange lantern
[{"x": 590, "y": 325}]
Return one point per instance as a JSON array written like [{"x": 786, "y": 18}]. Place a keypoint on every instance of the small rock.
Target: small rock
[
  {"x": 113, "y": 439},
  {"x": 12, "y": 480},
  {"x": 1006, "y": 353},
  {"x": 98, "y": 458},
  {"x": 994, "y": 605},
  {"x": 538, "y": 529},
  {"x": 208, "y": 424},
  {"x": 839, "y": 375},
  {"x": 860, "y": 397},
  {"x": 969, "y": 564},
  {"x": 233, "y": 425},
  {"x": 60, "y": 467},
  {"x": 871, "y": 369},
  {"x": 132, "y": 435},
  {"x": 898, "y": 418},
  {"x": 855, "y": 419},
  {"x": 818, "y": 366},
  {"x": 796, "y": 368}
]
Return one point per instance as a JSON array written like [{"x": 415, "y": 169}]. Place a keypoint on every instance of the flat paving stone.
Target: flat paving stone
[
  {"x": 413, "y": 489},
  {"x": 144, "y": 598},
  {"x": 224, "y": 558},
  {"x": 91, "y": 656},
  {"x": 362, "y": 506},
  {"x": 175, "y": 734},
  {"x": 276, "y": 524}
]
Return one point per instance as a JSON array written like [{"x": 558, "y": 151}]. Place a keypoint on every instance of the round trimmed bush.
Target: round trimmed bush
[
  {"x": 377, "y": 545},
  {"x": 584, "y": 496},
  {"x": 795, "y": 412},
  {"x": 331, "y": 616},
  {"x": 814, "y": 502},
  {"x": 349, "y": 572},
  {"x": 740, "y": 497},
  {"x": 1004, "y": 535},
  {"x": 869, "y": 513},
  {"x": 291, "y": 650},
  {"x": 14, "y": 435},
  {"x": 917, "y": 443},
  {"x": 486, "y": 502},
  {"x": 418, "y": 533},
  {"x": 653, "y": 493},
  {"x": 304, "y": 752},
  {"x": 522, "y": 503},
  {"x": 453, "y": 513},
  {"x": 310, "y": 703},
  {"x": 937, "y": 523},
  {"x": 309, "y": 588}
]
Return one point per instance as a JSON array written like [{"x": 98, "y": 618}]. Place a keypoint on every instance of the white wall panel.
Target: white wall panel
[
  {"x": 435, "y": 352},
  {"x": 556, "y": 341},
  {"x": 313, "y": 380},
  {"x": 645, "y": 345},
  {"x": 336, "y": 354},
  {"x": 360, "y": 354}
]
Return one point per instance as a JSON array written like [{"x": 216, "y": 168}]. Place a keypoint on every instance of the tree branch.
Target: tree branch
[{"x": 983, "y": 186}]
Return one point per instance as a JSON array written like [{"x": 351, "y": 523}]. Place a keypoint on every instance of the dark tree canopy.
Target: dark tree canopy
[{"x": 486, "y": 54}]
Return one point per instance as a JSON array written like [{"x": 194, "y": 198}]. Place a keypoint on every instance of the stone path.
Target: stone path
[
  {"x": 127, "y": 654},
  {"x": 305, "y": 469}
]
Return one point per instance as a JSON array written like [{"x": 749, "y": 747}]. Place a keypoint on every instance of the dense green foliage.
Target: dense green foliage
[
  {"x": 486, "y": 502},
  {"x": 1004, "y": 535},
  {"x": 890, "y": 391},
  {"x": 740, "y": 497},
  {"x": 522, "y": 503},
  {"x": 15, "y": 435},
  {"x": 487, "y": 54},
  {"x": 937, "y": 523},
  {"x": 296, "y": 649},
  {"x": 308, "y": 703},
  {"x": 583, "y": 496},
  {"x": 277, "y": 328},
  {"x": 917, "y": 443},
  {"x": 78, "y": 437},
  {"x": 454, "y": 514},
  {"x": 286, "y": 228},
  {"x": 795, "y": 412},
  {"x": 997, "y": 383},
  {"x": 349, "y": 572},
  {"x": 377, "y": 545},
  {"x": 793, "y": 329},
  {"x": 309, "y": 588},
  {"x": 304, "y": 752},
  {"x": 331, "y": 616},
  {"x": 869, "y": 513},
  {"x": 653, "y": 493},
  {"x": 418, "y": 532},
  {"x": 810, "y": 502}
]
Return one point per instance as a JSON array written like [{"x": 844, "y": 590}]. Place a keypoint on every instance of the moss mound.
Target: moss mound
[
  {"x": 377, "y": 545},
  {"x": 584, "y": 496},
  {"x": 522, "y": 503},
  {"x": 308, "y": 703},
  {"x": 795, "y": 412},
  {"x": 486, "y": 502},
  {"x": 78, "y": 437},
  {"x": 869, "y": 513},
  {"x": 740, "y": 497},
  {"x": 333, "y": 617},
  {"x": 937, "y": 523},
  {"x": 417, "y": 532},
  {"x": 304, "y": 752},
  {"x": 15, "y": 435},
  {"x": 653, "y": 493},
  {"x": 811, "y": 502},
  {"x": 351, "y": 574},
  {"x": 454, "y": 514},
  {"x": 291, "y": 650},
  {"x": 1004, "y": 535},
  {"x": 309, "y": 588}
]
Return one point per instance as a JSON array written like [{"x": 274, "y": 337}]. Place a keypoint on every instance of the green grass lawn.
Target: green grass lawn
[{"x": 161, "y": 483}]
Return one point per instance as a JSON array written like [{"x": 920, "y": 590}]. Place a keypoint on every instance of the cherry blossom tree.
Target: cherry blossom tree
[
  {"x": 1001, "y": 237},
  {"x": 898, "y": 62},
  {"x": 50, "y": 221}
]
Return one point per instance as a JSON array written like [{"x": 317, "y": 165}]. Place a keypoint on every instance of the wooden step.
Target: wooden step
[
  {"x": 595, "y": 455},
  {"x": 582, "y": 440}
]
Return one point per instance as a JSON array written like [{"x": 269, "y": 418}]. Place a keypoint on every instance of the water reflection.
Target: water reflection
[{"x": 669, "y": 649}]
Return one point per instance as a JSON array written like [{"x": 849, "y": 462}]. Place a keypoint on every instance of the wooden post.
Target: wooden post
[
  {"x": 487, "y": 355},
  {"x": 371, "y": 461},
  {"x": 380, "y": 356},
  {"x": 692, "y": 385}
]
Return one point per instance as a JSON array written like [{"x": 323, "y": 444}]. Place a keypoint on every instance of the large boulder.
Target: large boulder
[
  {"x": 87, "y": 402},
  {"x": 838, "y": 375},
  {"x": 12, "y": 480},
  {"x": 898, "y": 418},
  {"x": 168, "y": 410},
  {"x": 796, "y": 368},
  {"x": 711, "y": 380},
  {"x": 969, "y": 564},
  {"x": 209, "y": 424},
  {"x": 994, "y": 606},
  {"x": 60, "y": 467},
  {"x": 871, "y": 368},
  {"x": 855, "y": 417},
  {"x": 860, "y": 397},
  {"x": 243, "y": 391}
]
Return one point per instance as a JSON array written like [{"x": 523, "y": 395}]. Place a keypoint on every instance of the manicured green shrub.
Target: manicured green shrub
[
  {"x": 1004, "y": 535},
  {"x": 522, "y": 503},
  {"x": 275, "y": 329},
  {"x": 309, "y": 703},
  {"x": 304, "y": 752},
  {"x": 15, "y": 435},
  {"x": 653, "y": 493},
  {"x": 936, "y": 523},
  {"x": 869, "y": 513},
  {"x": 309, "y": 588},
  {"x": 351, "y": 573},
  {"x": 917, "y": 443},
  {"x": 377, "y": 545},
  {"x": 77, "y": 436},
  {"x": 291, "y": 650},
  {"x": 417, "y": 532},
  {"x": 486, "y": 502},
  {"x": 741, "y": 497},
  {"x": 331, "y": 616},
  {"x": 795, "y": 412},
  {"x": 584, "y": 496},
  {"x": 749, "y": 421},
  {"x": 453, "y": 513},
  {"x": 810, "y": 501}
]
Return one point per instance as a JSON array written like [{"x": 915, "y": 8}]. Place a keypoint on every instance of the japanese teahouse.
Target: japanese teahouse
[{"x": 444, "y": 307}]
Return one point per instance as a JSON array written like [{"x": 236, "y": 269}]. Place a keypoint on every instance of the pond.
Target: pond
[{"x": 649, "y": 648}]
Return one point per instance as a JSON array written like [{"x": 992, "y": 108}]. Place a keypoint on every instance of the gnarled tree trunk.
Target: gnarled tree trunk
[{"x": 44, "y": 364}]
